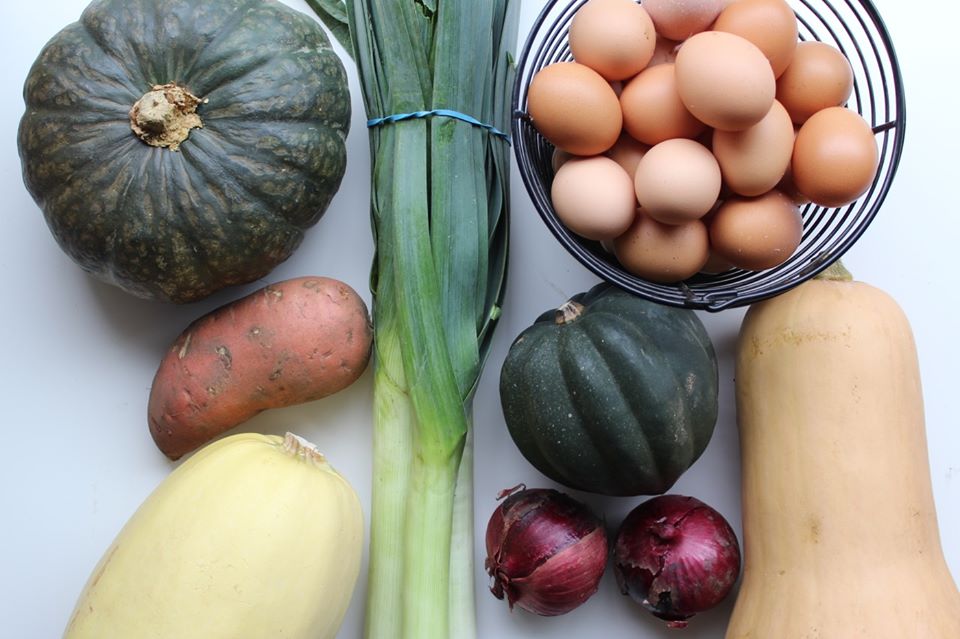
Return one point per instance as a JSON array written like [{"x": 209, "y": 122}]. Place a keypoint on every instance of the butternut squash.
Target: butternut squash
[{"x": 839, "y": 525}]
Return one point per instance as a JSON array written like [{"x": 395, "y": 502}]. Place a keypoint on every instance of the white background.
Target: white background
[{"x": 79, "y": 356}]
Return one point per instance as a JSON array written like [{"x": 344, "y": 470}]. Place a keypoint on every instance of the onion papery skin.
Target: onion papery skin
[
  {"x": 546, "y": 552},
  {"x": 676, "y": 556}
]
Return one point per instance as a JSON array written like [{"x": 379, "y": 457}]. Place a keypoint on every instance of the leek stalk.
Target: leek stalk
[{"x": 439, "y": 206}]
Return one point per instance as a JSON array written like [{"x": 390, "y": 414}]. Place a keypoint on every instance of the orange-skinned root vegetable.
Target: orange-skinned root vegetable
[
  {"x": 288, "y": 343},
  {"x": 840, "y": 532},
  {"x": 546, "y": 552}
]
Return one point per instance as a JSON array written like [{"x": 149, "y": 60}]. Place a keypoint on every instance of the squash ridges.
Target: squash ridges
[
  {"x": 541, "y": 441},
  {"x": 236, "y": 16},
  {"x": 641, "y": 456}
]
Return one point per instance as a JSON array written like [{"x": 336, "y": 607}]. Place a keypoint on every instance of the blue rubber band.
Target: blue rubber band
[{"x": 446, "y": 113}]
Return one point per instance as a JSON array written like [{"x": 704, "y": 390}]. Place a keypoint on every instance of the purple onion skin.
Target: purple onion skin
[
  {"x": 676, "y": 556},
  {"x": 546, "y": 552}
]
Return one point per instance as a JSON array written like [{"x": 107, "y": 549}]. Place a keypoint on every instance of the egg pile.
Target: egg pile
[{"x": 689, "y": 132}]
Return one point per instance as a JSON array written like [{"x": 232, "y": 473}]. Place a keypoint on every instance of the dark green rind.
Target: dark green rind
[
  {"x": 621, "y": 401},
  {"x": 235, "y": 200}
]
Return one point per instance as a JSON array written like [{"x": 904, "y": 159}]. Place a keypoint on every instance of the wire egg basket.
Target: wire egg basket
[{"x": 857, "y": 30}]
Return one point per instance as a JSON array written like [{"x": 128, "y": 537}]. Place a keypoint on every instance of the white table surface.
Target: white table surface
[{"x": 79, "y": 356}]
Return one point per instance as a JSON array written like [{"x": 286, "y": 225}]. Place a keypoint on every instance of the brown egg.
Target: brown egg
[
  {"x": 627, "y": 153},
  {"x": 754, "y": 161},
  {"x": 652, "y": 109},
  {"x": 677, "y": 181},
  {"x": 715, "y": 265},
  {"x": 756, "y": 233},
  {"x": 724, "y": 80},
  {"x": 593, "y": 197},
  {"x": 615, "y": 38},
  {"x": 662, "y": 252},
  {"x": 559, "y": 158},
  {"x": 665, "y": 51},
  {"x": 574, "y": 108},
  {"x": 769, "y": 24},
  {"x": 819, "y": 76},
  {"x": 680, "y": 19},
  {"x": 835, "y": 157},
  {"x": 789, "y": 188}
]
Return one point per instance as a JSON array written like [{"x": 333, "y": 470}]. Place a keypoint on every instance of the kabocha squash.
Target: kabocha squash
[
  {"x": 180, "y": 146},
  {"x": 255, "y": 536},
  {"x": 610, "y": 393},
  {"x": 839, "y": 527}
]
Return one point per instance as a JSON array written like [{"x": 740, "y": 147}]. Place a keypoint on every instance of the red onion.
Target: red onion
[
  {"x": 676, "y": 556},
  {"x": 545, "y": 551}
]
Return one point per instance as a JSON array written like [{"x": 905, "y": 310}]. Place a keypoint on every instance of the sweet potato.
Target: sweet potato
[{"x": 288, "y": 343}]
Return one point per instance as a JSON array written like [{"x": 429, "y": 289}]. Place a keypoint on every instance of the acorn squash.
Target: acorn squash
[
  {"x": 611, "y": 394},
  {"x": 176, "y": 147}
]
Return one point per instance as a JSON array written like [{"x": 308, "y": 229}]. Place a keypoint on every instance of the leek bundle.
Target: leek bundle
[{"x": 439, "y": 200}]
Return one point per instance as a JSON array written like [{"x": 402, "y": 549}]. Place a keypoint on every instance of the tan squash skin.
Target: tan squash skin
[{"x": 840, "y": 531}]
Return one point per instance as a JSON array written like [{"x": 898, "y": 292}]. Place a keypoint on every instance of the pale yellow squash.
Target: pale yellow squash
[
  {"x": 254, "y": 537},
  {"x": 840, "y": 532}
]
